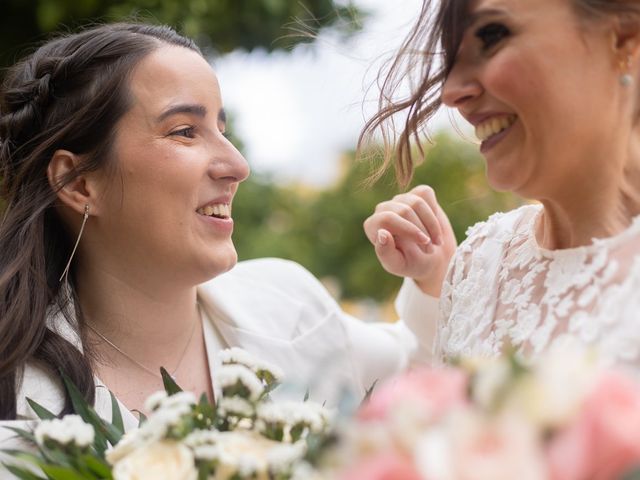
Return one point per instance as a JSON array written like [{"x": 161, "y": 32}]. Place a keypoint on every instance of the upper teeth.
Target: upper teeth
[
  {"x": 217, "y": 209},
  {"x": 494, "y": 125}
]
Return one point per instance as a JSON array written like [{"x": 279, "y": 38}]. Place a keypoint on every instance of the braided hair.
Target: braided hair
[{"x": 69, "y": 94}]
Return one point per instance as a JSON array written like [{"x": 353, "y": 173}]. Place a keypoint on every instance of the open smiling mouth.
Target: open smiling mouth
[
  {"x": 493, "y": 126},
  {"x": 216, "y": 210}
]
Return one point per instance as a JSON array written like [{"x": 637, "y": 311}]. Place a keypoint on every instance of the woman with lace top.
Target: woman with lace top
[{"x": 552, "y": 88}]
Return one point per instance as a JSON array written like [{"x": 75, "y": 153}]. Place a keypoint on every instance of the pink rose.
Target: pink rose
[
  {"x": 499, "y": 448},
  {"x": 436, "y": 390},
  {"x": 570, "y": 454},
  {"x": 388, "y": 466},
  {"x": 614, "y": 406},
  {"x": 604, "y": 441}
]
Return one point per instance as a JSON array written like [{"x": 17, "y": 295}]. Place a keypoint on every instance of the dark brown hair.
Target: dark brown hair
[
  {"x": 69, "y": 94},
  {"x": 425, "y": 59}
]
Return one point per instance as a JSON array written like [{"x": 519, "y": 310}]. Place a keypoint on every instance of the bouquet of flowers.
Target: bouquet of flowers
[
  {"x": 243, "y": 436},
  {"x": 559, "y": 418}
]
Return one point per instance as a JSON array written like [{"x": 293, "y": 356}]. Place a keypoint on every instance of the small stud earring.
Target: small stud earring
[{"x": 626, "y": 79}]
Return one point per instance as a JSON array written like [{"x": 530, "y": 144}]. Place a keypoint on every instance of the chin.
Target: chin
[
  {"x": 223, "y": 260},
  {"x": 502, "y": 180}
]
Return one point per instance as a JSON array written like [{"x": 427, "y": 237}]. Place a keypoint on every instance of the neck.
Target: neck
[
  {"x": 151, "y": 325},
  {"x": 597, "y": 206}
]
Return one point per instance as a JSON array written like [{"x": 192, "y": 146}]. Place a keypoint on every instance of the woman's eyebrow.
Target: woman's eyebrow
[
  {"x": 188, "y": 108},
  {"x": 479, "y": 15}
]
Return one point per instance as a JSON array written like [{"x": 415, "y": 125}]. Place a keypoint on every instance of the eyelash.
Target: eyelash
[
  {"x": 187, "y": 132},
  {"x": 491, "y": 34}
]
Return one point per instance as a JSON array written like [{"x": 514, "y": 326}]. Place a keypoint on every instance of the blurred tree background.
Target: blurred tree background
[
  {"x": 218, "y": 26},
  {"x": 320, "y": 228}
]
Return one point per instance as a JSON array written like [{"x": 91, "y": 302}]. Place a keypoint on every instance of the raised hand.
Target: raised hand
[{"x": 413, "y": 238}]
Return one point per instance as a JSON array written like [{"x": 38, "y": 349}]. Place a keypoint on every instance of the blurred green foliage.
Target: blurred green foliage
[
  {"x": 217, "y": 25},
  {"x": 323, "y": 229}
]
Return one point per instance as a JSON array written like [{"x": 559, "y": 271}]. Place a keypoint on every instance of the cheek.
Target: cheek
[
  {"x": 161, "y": 175},
  {"x": 513, "y": 82},
  {"x": 155, "y": 190}
]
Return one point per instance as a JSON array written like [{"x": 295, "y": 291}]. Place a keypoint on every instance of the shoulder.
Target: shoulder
[
  {"x": 39, "y": 384},
  {"x": 271, "y": 296},
  {"x": 501, "y": 226}
]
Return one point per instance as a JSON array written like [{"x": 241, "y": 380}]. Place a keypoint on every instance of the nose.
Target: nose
[
  {"x": 461, "y": 86},
  {"x": 231, "y": 165}
]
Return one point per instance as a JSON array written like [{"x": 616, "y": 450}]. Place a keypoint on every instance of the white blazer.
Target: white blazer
[{"x": 279, "y": 312}]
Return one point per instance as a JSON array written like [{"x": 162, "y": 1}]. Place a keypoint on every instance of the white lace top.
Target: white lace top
[{"x": 502, "y": 288}]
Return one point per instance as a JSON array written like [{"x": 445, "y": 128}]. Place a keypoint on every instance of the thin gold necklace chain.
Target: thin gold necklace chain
[{"x": 144, "y": 367}]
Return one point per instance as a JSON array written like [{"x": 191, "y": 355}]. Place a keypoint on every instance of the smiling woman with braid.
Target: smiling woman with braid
[{"x": 118, "y": 182}]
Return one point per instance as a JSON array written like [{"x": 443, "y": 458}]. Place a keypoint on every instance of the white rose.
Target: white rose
[
  {"x": 130, "y": 441},
  {"x": 554, "y": 393},
  {"x": 165, "y": 459}
]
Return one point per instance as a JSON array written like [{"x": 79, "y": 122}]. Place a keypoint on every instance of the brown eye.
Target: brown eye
[
  {"x": 491, "y": 34},
  {"x": 185, "y": 132}
]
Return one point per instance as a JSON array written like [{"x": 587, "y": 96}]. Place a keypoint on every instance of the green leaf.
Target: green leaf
[
  {"x": 43, "y": 413},
  {"x": 22, "y": 455},
  {"x": 97, "y": 466},
  {"x": 296, "y": 431},
  {"x": 22, "y": 473},
  {"x": 104, "y": 430},
  {"x": 62, "y": 473},
  {"x": 141, "y": 417},
  {"x": 369, "y": 391},
  {"x": 28, "y": 436},
  {"x": 170, "y": 386},
  {"x": 116, "y": 414},
  {"x": 632, "y": 475},
  {"x": 317, "y": 445},
  {"x": 270, "y": 387},
  {"x": 56, "y": 456}
]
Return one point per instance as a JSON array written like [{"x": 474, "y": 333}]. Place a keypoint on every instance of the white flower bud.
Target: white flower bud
[{"x": 71, "y": 429}]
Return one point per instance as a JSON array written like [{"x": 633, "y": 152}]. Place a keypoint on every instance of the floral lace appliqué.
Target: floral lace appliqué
[{"x": 502, "y": 288}]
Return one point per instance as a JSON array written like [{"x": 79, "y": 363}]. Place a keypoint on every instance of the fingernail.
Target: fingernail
[
  {"x": 424, "y": 239},
  {"x": 383, "y": 237}
]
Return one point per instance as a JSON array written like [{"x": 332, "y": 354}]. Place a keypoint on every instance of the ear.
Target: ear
[
  {"x": 77, "y": 192},
  {"x": 626, "y": 36}
]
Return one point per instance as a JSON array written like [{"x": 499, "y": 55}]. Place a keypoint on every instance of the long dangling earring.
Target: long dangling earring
[
  {"x": 84, "y": 221},
  {"x": 626, "y": 79}
]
